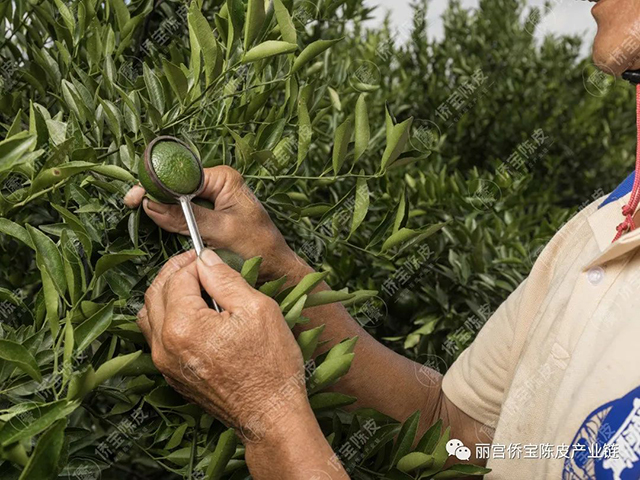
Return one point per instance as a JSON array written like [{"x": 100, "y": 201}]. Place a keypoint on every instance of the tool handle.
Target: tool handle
[{"x": 196, "y": 238}]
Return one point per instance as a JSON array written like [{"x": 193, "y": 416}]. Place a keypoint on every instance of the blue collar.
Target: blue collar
[{"x": 621, "y": 190}]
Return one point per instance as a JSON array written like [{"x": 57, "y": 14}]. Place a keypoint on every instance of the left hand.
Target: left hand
[{"x": 237, "y": 222}]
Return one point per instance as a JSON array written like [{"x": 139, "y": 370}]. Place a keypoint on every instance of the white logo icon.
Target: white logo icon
[{"x": 457, "y": 448}]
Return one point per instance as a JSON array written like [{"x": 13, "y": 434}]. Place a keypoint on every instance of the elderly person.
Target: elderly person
[{"x": 552, "y": 369}]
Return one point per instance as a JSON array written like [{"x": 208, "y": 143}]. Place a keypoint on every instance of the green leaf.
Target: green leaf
[
  {"x": 287, "y": 30},
  {"x": 143, "y": 365},
  {"x": 362, "y": 132},
  {"x": 414, "y": 461},
  {"x": 461, "y": 470},
  {"x": 430, "y": 438},
  {"x": 114, "y": 118},
  {"x": 405, "y": 439},
  {"x": 114, "y": 171},
  {"x": 200, "y": 29},
  {"x": 21, "y": 427},
  {"x": 51, "y": 176},
  {"x": 12, "y": 298},
  {"x": 20, "y": 357},
  {"x": 73, "y": 267},
  {"x": 48, "y": 259},
  {"x": 122, "y": 13},
  {"x": 254, "y": 22},
  {"x": 16, "y": 126},
  {"x": 378, "y": 440},
  {"x": 176, "y": 438},
  {"x": 69, "y": 344},
  {"x": 401, "y": 236},
  {"x": 327, "y": 296},
  {"x": 177, "y": 79},
  {"x": 81, "y": 384},
  {"x": 112, "y": 367},
  {"x": 306, "y": 285},
  {"x": 132, "y": 112},
  {"x": 335, "y": 99},
  {"x": 271, "y": 134},
  {"x": 224, "y": 451},
  {"x": 329, "y": 372},
  {"x": 440, "y": 455},
  {"x": 154, "y": 88},
  {"x": 111, "y": 260},
  {"x": 44, "y": 461},
  {"x": 308, "y": 341},
  {"x": 294, "y": 313},
  {"x": 251, "y": 269},
  {"x": 66, "y": 15},
  {"x": 312, "y": 51},
  {"x": 91, "y": 328},
  {"x": 52, "y": 301},
  {"x": 341, "y": 144},
  {"x": 72, "y": 99},
  {"x": 271, "y": 289},
  {"x": 232, "y": 259},
  {"x": 268, "y": 49},
  {"x": 343, "y": 348},
  {"x": 402, "y": 213},
  {"x": 235, "y": 21},
  {"x": 396, "y": 141},
  {"x": 164, "y": 397},
  {"x": 13, "y": 149},
  {"x": 304, "y": 131},
  {"x": 330, "y": 400},
  {"x": 361, "y": 206},
  {"x": 13, "y": 229}
]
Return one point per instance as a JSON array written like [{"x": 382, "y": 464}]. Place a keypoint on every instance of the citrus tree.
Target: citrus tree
[
  {"x": 385, "y": 156},
  {"x": 87, "y": 85}
]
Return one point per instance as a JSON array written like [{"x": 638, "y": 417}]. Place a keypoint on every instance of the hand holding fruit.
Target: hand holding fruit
[
  {"x": 238, "y": 221},
  {"x": 235, "y": 364}
]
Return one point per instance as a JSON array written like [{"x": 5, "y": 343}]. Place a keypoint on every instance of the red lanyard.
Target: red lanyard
[{"x": 630, "y": 208}]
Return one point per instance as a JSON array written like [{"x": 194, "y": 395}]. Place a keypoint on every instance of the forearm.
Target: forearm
[
  {"x": 296, "y": 449},
  {"x": 386, "y": 381}
]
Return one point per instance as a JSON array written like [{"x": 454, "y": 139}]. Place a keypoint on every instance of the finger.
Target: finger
[
  {"x": 167, "y": 217},
  {"x": 134, "y": 197},
  {"x": 224, "y": 284},
  {"x": 154, "y": 300},
  {"x": 183, "y": 301},
  {"x": 220, "y": 185}
]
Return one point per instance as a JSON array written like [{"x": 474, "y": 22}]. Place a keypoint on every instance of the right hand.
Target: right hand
[
  {"x": 238, "y": 221},
  {"x": 242, "y": 365}
]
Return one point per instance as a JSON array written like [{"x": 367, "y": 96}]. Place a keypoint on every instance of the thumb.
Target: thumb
[
  {"x": 220, "y": 186},
  {"x": 223, "y": 283}
]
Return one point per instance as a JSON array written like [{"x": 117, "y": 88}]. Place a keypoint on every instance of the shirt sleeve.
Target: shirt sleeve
[{"x": 477, "y": 381}]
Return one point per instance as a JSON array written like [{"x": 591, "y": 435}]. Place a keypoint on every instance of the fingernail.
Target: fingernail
[
  {"x": 157, "y": 207},
  {"x": 210, "y": 258}
]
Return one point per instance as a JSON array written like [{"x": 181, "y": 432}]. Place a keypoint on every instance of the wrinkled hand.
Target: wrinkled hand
[
  {"x": 238, "y": 222},
  {"x": 236, "y": 364}
]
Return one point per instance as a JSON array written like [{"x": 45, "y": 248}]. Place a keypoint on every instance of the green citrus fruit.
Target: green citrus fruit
[{"x": 175, "y": 166}]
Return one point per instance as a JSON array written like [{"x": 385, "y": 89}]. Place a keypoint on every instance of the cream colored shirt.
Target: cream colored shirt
[{"x": 556, "y": 369}]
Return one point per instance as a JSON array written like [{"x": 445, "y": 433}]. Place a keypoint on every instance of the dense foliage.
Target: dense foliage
[{"x": 423, "y": 175}]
